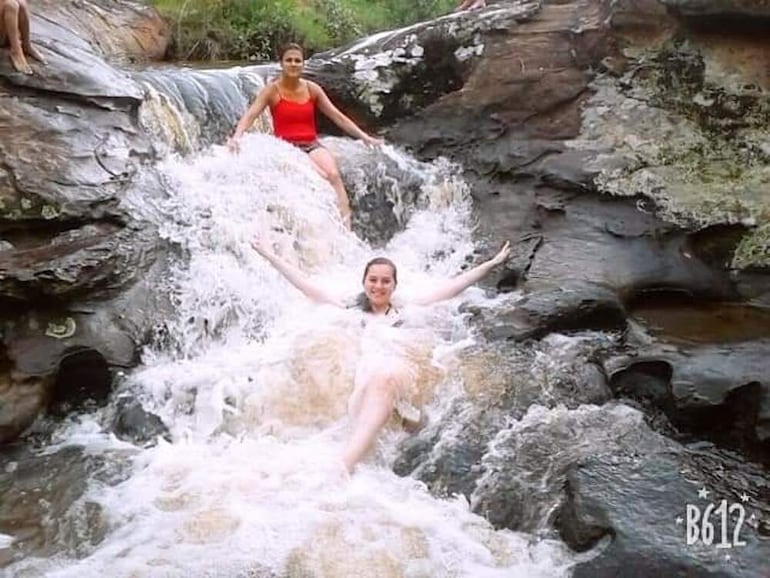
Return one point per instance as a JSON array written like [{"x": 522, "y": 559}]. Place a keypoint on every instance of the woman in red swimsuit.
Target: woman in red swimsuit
[{"x": 292, "y": 101}]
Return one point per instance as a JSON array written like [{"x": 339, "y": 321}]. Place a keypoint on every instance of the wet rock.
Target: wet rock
[
  {"x": 402, "y": 71},
  {"x": 98, "y": 257},
  {"x": 517, "y": 267},
  {"x": 65, "y": 234},
  {"x": 646, "y": 381},
  {"x": 502, "y": 383},
  {"x": 524, "y": 471},
  {"x": 21, "y": 400},
  {"x": 680, "y": 117},
  {"x": 186, "y": 109},
  {"x": 638, "y": 502},
  {"x": 698, "y": 386},
  {"x": 42, "y": 507},
  {"x": 121, "y": 31},
  {"x": 524, "y": 92},
  {"x": 383, "y": 194},
  {"x": 49, "y": 350},
  {"x": 747, "y": 8},
  {"x": 73, "y": 264},
  {"x": 133, "y": 423},
  {"x": 88, "y": 155},
  {"x": 570, "y": 307},
  {"x": 533, "y": 112},
  {"x": 610, "y": 243},
  {"x": 83, "y": 381},
  {"x": 447, "y": 456}
]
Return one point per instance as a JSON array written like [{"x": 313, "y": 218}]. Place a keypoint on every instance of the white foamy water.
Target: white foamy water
[{"x": 253, "y": 383}]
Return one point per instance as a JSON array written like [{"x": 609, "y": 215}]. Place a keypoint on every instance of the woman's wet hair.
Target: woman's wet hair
[
  {"x": 291, "y": 46},
  {"x": 362, "y": 301},
  {"x": 381, "y": 261}
]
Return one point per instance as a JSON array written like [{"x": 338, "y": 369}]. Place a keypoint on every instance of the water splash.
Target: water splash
[{"x": 253, "y": 382}]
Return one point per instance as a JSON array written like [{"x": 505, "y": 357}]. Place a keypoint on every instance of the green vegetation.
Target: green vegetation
[{"x": 255, "y": 29}]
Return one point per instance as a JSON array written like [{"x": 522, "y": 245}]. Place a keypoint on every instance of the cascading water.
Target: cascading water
[{"x": 252, "y": 381}]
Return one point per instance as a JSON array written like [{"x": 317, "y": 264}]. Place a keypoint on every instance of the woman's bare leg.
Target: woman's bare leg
[
  {"x": 324, "y": 160},
  {"x": 10, "y": 24},
  {"x": 26, "y": 41},
  {"x": 373, "y": 407}
]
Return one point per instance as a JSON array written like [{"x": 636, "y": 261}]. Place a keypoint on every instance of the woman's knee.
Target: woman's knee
[
  {"x": 13, "y": 5},
  {"x": 384, "y": 384},
  {"x": 333, "y": 175}
]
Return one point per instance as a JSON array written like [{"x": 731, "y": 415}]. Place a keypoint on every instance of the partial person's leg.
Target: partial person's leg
[
  {"x": 26, "y": 41},
  {"x": 4, "y": 43},
  {"x": 371, "y": 406},
  {"x": 325, "y": 161},
  {"x": 11, "y": 26}
]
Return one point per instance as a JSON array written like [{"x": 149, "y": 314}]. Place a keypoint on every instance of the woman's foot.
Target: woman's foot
[
  {"x": 34, "y": 53},
  {"x": 20, "y": 63}
]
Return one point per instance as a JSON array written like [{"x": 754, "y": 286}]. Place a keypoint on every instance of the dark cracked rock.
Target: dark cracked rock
[
  {"x": 503, "y": 383},
  {"x": 133, "y": 423},
  {"x": 571, "y": 306},
  {"x": 639, "y": 503},
  {"x": 43, "y": 506},
  {"x": 700, "y": 385}
]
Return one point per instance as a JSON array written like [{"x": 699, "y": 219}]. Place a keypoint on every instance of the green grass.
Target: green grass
[{"x": 255, "y": 29}]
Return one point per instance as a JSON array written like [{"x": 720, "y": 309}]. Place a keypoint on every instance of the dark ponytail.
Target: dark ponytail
[{"x": 361, "y": 302}]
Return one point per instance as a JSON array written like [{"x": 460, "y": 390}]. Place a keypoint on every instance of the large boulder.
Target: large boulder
[
  {"x": 74, "y": 264},
  {"x": 698, "y": 385},
  {"x": 553, "y": 99},
  {"x": 637, "y": 503}
]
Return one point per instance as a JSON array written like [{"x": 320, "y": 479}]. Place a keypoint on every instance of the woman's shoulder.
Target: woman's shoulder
[
  {"x": 272, "y": 90},
  {"x": 313, "y": 88}
]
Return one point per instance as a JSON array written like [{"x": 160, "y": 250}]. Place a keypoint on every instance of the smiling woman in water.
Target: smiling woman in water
[
  {"x": 381, "y": 384},
  {"x": 293, "y": 102}
]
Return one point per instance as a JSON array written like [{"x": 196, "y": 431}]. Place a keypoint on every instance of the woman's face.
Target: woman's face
[
  {"x": 292, "y": 62},
  {"x": 379, "y": 284}
]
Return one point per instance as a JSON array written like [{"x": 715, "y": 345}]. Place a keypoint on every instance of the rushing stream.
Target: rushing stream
[{"x": 252, "y": 381}]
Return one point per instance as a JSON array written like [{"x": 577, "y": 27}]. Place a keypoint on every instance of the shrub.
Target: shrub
[{"x": 256, "y": 29}]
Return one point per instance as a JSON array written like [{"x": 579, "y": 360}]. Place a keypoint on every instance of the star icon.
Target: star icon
[
  {"x": 703, "y": 493},
  {"x": 744, "y": 497},
  {"x": 679, "y": 520}
]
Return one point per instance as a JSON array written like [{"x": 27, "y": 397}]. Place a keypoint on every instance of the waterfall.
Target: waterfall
[{"x": 252, "y": 381}]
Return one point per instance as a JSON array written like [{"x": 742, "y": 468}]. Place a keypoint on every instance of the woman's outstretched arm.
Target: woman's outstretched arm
[
  {"x": 248, "y": 118},
  {"x": 456, "y": 285},
  {"x": 295, "y": 276},
  {"x": 338, "y": 117}
]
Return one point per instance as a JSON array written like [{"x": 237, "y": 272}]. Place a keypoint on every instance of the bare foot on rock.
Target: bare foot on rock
[
  {"x": 20, "y": 63},
  {"x": 34, "y": 53}
]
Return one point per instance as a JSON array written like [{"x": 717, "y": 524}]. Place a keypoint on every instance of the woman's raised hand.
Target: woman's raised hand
[
  {"x": 502, "y": 255},
  {"x": 259, "y": 246},
  {"x": 234, "y": 145},
  {"x": 373, "y": 141}
]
